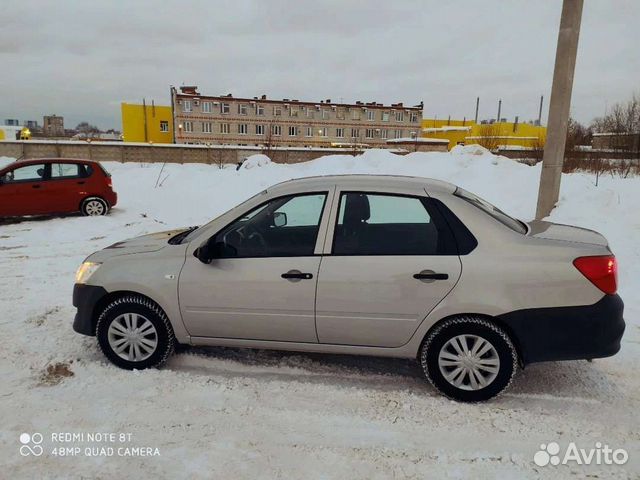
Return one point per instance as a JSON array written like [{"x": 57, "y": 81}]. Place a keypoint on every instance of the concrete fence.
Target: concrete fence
[{"x": 159, "y": 153}]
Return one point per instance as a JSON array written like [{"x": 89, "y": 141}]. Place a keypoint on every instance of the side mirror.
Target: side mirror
[
  {"x": 279, "y": 219},
  {"x": 211, "y": 250}
]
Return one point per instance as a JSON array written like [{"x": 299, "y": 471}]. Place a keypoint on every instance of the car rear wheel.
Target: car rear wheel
[
  {"x": 134, "y": 333},
  {"x": 469, "y": 359},
  {"x": 94, "y": 206}
]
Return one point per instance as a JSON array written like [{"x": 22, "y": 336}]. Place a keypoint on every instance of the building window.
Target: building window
[
  {"x": 225, "y": 128},
  {"x": 243, "y": 109},
  {"x": 293, "y": 131},
  {"x": 340, "y": 114},
  {"x": 323, "y": 132},
  {"x": 385, "y": 116},
  {"x": 355, "y": 133},
  {"x": 371, "y": 115},
  {"x": 259, "y": 129},
  {"x": 309, "y": 112},
  {"x": 414, "y": 117},
  {"x": 369, "y": 133},
  {"x": 293, "y": 112},
  {"x": 243, "y": 128},
  {"x": 398, "y": 134},
  {"x": 206, "y": 107},
  {"x": 188, "y": 127},
  {"x": 225, "y": 108},
  {"x": 277, "y": 111},
  {"x": 355, "y": 114},
  {"x": 186, "y": 105},
  {"x": 276, "y": 130},
  {"x": 325, "y": 114},
  {"x": 309, "y": 131},
  {"x": 206, "y": 127},
  {"x": 384, "y": 134},
  {"x": 164, "y": 126},
  {"x": 260, "y": 110},
  {"x": 340, "y": 132},
  {"x": 400, "y": 116}
]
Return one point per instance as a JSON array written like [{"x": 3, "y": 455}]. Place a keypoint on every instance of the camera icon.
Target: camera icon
[{"x": 31, "y": 444}]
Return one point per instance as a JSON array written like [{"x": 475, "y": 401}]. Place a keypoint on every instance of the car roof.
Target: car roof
[
  {"x": 31, "y": 161},
  {"x": 365, "y": 181}
]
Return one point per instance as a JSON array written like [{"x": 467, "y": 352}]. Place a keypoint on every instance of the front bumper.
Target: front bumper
[
  {"x": 568, "y": 333},
  {"x": 85, "y": 298}
]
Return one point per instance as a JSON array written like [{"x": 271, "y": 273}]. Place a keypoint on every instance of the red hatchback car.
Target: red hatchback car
[{"x": 60, "y": 185}]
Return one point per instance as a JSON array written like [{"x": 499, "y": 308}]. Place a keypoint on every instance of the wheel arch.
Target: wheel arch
[
  {"x": 113, "y": 296},
  {"x": 494, "y": 320}
]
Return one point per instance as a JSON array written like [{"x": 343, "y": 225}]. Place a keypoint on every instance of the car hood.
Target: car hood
[
  {"x": 143, "y": 244},
  {"x": 567, "y": 233}
]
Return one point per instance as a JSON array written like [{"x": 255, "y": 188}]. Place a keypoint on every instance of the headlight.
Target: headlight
[{"x": 85, "y": 271}]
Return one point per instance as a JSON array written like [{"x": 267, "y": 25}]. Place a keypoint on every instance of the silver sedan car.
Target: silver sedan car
[{"x": 367, "y": 265}]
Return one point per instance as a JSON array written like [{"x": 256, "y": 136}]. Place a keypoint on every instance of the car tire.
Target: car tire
[
  {"x": 134, "y": 333},
  {"x": 469, "y": 359},
  {"x": 94, "y": 206}
]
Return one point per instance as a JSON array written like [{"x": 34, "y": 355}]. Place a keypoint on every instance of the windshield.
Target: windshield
[
  {"x": 513, "y": 223},
  {"x": 190, "y": 235}
]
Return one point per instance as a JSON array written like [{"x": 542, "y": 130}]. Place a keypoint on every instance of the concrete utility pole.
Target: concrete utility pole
[
  {"x": 477, "y": 107},
  {"x": 559, "y": 107}
]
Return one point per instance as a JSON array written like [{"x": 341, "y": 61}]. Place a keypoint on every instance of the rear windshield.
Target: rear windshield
[
  {"x": 104, "y": 170},
  {"x": 513, "y": 223}
]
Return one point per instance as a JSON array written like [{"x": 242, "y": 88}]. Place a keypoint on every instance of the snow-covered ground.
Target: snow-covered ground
[{"x": 227, "y": 413}]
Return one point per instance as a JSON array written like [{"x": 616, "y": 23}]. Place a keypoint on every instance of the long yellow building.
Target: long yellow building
[
  {"x": 489, "y": 135},
  {"x": 147, "y": 123}
]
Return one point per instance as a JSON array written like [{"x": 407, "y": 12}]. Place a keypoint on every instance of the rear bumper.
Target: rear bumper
[
  {"x": 85, "y": 298},
  {"x": 112, "y": 198},
  {"x": 568, "y": 333}
]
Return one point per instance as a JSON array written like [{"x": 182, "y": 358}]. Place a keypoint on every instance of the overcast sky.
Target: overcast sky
[{"x": 81, "y": 59}]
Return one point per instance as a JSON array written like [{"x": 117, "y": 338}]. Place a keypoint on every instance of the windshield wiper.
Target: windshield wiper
[{"x": 176, "y": 239}]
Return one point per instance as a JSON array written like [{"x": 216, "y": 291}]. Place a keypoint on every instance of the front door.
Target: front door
[
  {"x": 391, "y": 263},
  {"x": 24, "y": 191},
  {"x": 262, "y": 285}
]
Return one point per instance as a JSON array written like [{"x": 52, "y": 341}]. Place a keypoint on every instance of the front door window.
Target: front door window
[{"x": 284, "y": 227}]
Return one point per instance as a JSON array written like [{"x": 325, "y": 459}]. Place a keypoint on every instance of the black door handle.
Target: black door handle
[
  {"x": 81, "y": 183},
  {"x": 430, "y": 276},
  {"x": 35, "y": 186},
  {"x": 295, "y": 274}
]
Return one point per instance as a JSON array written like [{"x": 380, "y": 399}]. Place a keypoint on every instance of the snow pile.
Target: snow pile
[{"x": 247, "y": 414}]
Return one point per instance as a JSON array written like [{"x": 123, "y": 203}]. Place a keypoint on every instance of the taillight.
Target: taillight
[{"x": 601, "y": 270}]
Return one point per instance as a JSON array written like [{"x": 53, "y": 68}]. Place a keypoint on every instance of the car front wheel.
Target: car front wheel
[
  {"x": 134, "y": 333},
  {"x": 469, "y": 359}
]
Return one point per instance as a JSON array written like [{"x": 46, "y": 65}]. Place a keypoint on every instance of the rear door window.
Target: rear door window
[
  {"x": 66, "y": 170},
  {"x": 384, "y": 224}
]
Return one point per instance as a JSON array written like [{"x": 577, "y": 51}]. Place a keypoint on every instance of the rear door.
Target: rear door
[
  {"x": 392, "y": 260},
  {"x": 24, "y": 191},
  {"x": 67, "y": 186}
]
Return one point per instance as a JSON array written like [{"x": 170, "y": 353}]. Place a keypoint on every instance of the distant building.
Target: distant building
[
  {"x": 12, "y": 122},
  {"x": 497, "y": 135},
  {"x": 257, "y": 121},
  {"x": 31, "y": 124},
  {"x": 629, "y": 142},
  {"x": 53, "y": 126},
  {"x": 147, "y": 123}
]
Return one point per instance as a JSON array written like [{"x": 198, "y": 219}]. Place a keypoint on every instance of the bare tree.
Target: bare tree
[
  {"x": 268, "y": 144},
  {"x": 488, "y": 136},
  {"x": 87, "y": 130}
]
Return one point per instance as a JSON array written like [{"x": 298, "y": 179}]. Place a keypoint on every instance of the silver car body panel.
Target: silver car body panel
[{"x": 354, "y": 305}]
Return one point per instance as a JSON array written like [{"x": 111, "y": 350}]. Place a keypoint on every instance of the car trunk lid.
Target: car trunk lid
[{"x": 567, "y": 233}]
